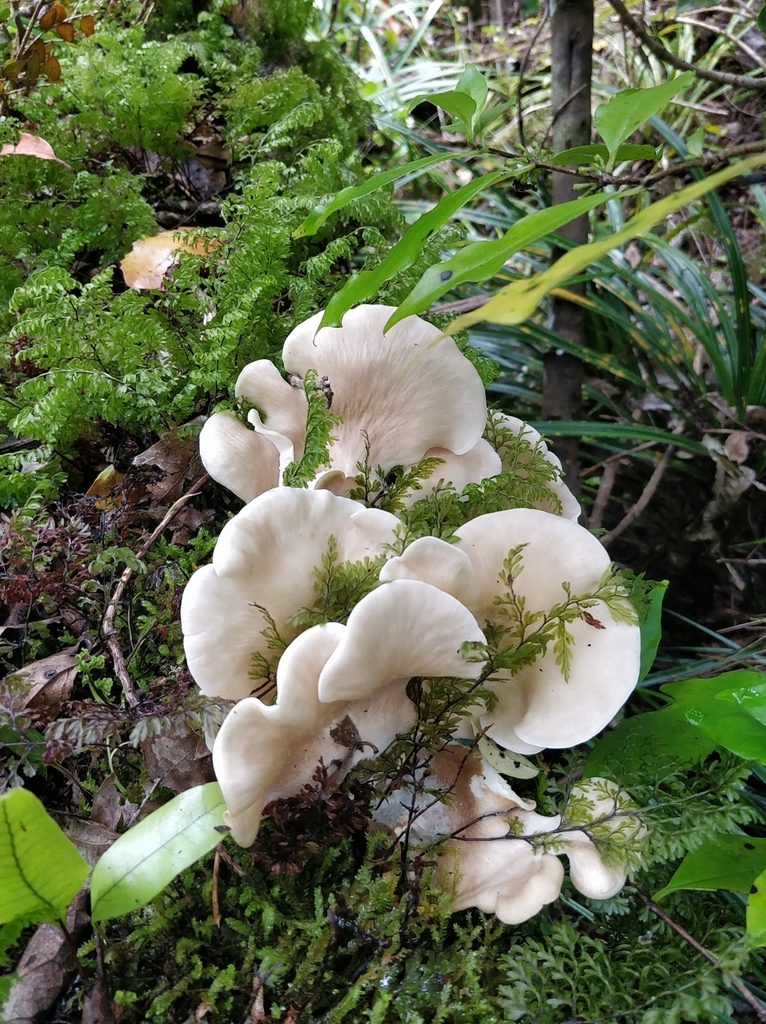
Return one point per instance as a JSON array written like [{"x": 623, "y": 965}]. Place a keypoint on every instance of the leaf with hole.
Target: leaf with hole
[
  {"x": 479, "y": 261},
  {"x": 730, "y": 862},
  {"x": 410, "y": 171},
  {"x": 517, "y": 301},
  {"x": 40, "y": 868},
  {"x": 756, "y": 909},
  {"x": 150, "y": 855},
  {"x": 365, "y": 284},
  {"x": 628, "y": 109}
]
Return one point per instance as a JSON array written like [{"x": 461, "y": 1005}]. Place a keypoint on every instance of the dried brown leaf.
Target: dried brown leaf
[
  {"x": 107, "y": 809},
  {"x": 178, "y": 460},
  {"x": 90, "y": 838},
  {"x": 32, "y": 145},
  {"x": 66, "y": 31},
  {"x": 96, "y": 1006},
  {"x": 177, "y": 762},
  {"x": 49, "y": 681},
  {"x": 87, "y": 25},
  {"x": 51, "y": 69},
  {"x": 737, "y": 447},
  {"x": 54, "y": 14},
  {"x": 151, "y": 258}
]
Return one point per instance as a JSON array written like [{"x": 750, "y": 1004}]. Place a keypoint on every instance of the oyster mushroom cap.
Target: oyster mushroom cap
[
  {"x": 609, "y": 808},
  {"x": 264, "y": 561},
  {"x": 404, "y": 391},
  {"x": 268, "y": 752},
  {"x": 538, "y": 706},
  {"x": 283, "y": 406},
  {"x": 405, "y": 628},
  {"x": 239, "y": 459}
]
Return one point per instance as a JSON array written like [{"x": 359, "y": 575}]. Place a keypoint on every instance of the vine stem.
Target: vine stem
[
  {"x": 755, "y": 1004},
  {"x": 108, "y": 623}
]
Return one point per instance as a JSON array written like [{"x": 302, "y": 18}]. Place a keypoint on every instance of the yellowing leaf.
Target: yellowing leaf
[
  {"x": 33, "y": 145},
  {"x": 150, "y": 259},
  {"x": 105, "y": 487},
  {"x": 516, "y": 302}
]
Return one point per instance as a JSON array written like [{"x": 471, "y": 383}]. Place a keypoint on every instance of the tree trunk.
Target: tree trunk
[{"x": 571, "y": 63}]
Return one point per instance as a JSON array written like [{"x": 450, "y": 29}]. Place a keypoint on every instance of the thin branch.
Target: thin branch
[
  {"x": 108, "y": 627},
  {"x": 608, "y": 478},
  {"x": 646, "y": 496},
  {"x": 665, "y": 55},
  {"x": 522, "y": 71},
  {"x": 757, "y": 1006}
]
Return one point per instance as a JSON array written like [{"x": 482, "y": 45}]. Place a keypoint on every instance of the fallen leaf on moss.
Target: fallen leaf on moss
[
  {"x": 32, "y": 145},
  {"x": 49, "y": 681},
  {"x": 149, "y": 261},
  {"x": 106, "y": 487}
]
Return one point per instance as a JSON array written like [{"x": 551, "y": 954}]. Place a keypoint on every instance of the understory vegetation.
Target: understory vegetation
[{"x": 303, "y": 157}]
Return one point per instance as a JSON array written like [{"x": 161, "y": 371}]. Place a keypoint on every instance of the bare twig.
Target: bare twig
[
  {"x": 646, "y": 496},
  {"x": 665, "y": 55},
  {"x": 604, "y": 491},
  {"x": 522, "y": 71},
  {"x": 108, "y": 627},
  {"x": 757, "y": 1006}
]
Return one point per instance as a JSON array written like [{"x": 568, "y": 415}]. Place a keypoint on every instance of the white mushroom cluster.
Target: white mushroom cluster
[{"x": 516, "y": 606}]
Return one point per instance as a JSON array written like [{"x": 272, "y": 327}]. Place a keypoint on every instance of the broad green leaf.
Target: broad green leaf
[
  {"x": 465, "y": 102},
  {"x": 639, "y": 431},
  {"x": 728, "y": 862},
  {"x": 41, "y": 870},
  {"x": 412, "y": 170},
  {"x": 695, "y": 142},
  {"x": 481, "y": 260},
  {"x": 616, "y": 120},
  {"x": 150, "y": 855},
  {"x": 458, "y": 104},
  {"x": 516, "y": 302},
  {"x": 748, "y": 691},
  {"x": 653, "y": 740},
  {"x": 366, "y": 284},
  {"x": 579, "y": 155},
  {"x": 756, "y": 909},
  {"x": 761, "y": 22},
  {"x": 651, "y": 629},
  {"x": 726, "y": 723}
]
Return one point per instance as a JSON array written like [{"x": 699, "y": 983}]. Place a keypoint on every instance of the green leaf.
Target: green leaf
[
  {"x": 587, "y": 429},
  {"x": 516, "y": 302},
  {"x": 695, "y": 142},
  {"x": 649, "y": 740},
  {"x": 705, "y": 703},
  {"x": 580, "y": 155},
  {"x": 651, "y": 629},
  {"x": 149, "y": 856},
  {"x": 481, "y": 260},
  {"x": 728, "y": 862},
  {"x": 41, "y": 869},
  {"x": 465, "y": 102},
  {"x": 756, "y": 909},
  {"x": 748, "y": 691},
  {"x": 367, "y": 283},
  {"x": 630, "y": 108},
  {"x": 761, "y": 22},
  {"x": 322, "y": 211}
]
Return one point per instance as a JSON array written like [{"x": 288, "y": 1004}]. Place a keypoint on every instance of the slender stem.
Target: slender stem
[{"x": 757, "y": 1006}]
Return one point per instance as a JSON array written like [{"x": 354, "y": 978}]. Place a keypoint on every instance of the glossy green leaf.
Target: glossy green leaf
[
  {"x": 366, "y": 284},
  {"x": 149, "y": 856},
  {"x": 728, "y": 862},
  {"x": 748, "y": 691},
  {"x": 761, "y": 22},
  {"x": 481, "y": 260},
  {"x": 651, "y": 629},
  {"x": 756, "y": 909},
  {"x": 579, "y": 155},
  {"x": 726, "y": 723},
  {"x": 322, "y": 211},
  {"x": 628, "y": 109},
  {"x": 637, "y": 431},
  {"x": 655, "y": 739},
  {"x": 41, "y": 870},
  {"x": 465, "y": 102},
  {"x": 516, "y": 302}
]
